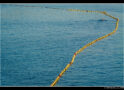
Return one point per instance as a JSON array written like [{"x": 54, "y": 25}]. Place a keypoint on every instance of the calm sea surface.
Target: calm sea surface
[{"x": 37, "y": 43}]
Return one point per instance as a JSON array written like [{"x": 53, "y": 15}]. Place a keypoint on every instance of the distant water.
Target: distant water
[{"x": 37, "y": 43}]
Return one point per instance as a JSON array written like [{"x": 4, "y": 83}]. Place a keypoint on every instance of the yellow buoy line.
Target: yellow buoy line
[{"x": 85, "y": 46}]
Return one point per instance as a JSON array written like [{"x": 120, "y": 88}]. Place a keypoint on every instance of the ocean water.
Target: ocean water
[{"x": 37, "y": 43}]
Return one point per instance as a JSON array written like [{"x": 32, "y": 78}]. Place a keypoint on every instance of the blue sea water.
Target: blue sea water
[{"x": 37, "y": 43}]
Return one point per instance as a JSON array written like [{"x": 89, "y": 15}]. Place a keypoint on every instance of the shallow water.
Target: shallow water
[{"x": 37, "y": 43}]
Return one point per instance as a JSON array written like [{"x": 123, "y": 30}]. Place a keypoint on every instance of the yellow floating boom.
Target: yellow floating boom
[{"x": 87, "y": 45}]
